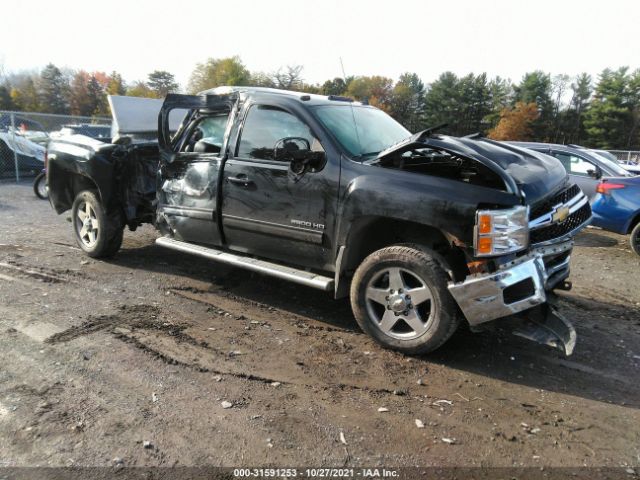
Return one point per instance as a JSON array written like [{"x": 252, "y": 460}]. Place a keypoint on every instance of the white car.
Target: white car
[{"x": 27, "y": 142}]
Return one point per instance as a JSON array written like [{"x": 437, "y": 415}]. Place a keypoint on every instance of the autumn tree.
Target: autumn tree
[
  {"x": 162, "y": 83},
  {"x": 337, "y": 86},
  {"x": 536, "y": 87},
  {"x": 516, "y": 123},
  {"x": 375, "y": 90},
  {"x": 408, "y": 101},
  {"x": 24, "y": 94},
  {"x": 141, "y": 89},
  {"x": 115, "y": 85},
  {"x": 218, "y": 71},
  {"x": 79, "y": 101},
  {"x": 262, "y": 79}
]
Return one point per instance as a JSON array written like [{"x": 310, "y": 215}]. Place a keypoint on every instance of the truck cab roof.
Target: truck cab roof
[{"x": 310, "y": 99}]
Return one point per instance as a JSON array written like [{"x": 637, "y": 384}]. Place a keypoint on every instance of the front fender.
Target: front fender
[{"x": 446, "y": 205}]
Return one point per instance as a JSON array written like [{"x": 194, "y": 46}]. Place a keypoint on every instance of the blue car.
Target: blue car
[{"x": 614, "y": 193}]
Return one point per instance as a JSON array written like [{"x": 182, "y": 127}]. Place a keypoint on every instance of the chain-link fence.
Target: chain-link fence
[
  {"x": 24, "y": 137},
  {"x": 628, "y": 157}
]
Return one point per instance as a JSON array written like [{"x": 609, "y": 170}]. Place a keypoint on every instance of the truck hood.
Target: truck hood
[
  {"x": 531, "y": 175},
  {"x": 138, "y": 117}
]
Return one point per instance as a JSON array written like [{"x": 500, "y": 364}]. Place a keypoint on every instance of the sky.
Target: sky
[{"x": 505, "y": 38}]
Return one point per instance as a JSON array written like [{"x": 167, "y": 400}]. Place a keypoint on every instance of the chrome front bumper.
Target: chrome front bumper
[{"x": 515, "y": 287}]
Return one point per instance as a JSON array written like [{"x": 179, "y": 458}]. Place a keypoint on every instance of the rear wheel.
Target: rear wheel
[
  {"x": 40, "y": 186},
  {"x": 7, "y": 166},
  {"x": 634, "y": 239},
  {"x": 399, "y": 296},
  {"x": 96, "y": 233}
]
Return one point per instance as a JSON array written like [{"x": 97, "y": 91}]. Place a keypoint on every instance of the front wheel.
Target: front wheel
[
  {"x": 96, "y": 233},
  {"x": 40, "y": 187},
  {"x": 399, "y": 296},
  {"x": 634, "y": 239}
]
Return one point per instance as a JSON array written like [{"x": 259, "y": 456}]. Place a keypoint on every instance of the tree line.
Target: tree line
[{"x": 603, "y": 112}]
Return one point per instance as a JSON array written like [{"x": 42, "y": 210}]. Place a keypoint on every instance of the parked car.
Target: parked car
[
  {"x": 421, "y": 231},
  {"x": 628, "y": 165},
  {"x": 613, "y": 191},
  {"x": 87, "y": 129},
  {"x": 585, "y": 168},
  {"x": 632, "y": 168},
  {"x": 25, "y": 139}
]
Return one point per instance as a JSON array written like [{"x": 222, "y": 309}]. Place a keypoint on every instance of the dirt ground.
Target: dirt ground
[{"x": 97, "y": 358}]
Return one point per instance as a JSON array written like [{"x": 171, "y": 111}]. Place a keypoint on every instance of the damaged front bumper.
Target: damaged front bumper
[{"x": 516, "y": 288}]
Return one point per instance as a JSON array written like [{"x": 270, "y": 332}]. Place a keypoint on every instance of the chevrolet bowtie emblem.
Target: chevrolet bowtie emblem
[{"x": 560, "y": 215}]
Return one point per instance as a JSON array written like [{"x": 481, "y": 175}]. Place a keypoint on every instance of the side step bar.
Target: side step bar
[{"x": 287, "y": 273}]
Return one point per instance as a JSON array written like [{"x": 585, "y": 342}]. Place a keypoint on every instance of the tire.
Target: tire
[
  {"x": 40, "y": 186},
  {"x": 7, "y": 162},
  {"x": 416, "y": 320},
  {"x": 103, "y": 240},
  {"x": 634, "y": 239}
]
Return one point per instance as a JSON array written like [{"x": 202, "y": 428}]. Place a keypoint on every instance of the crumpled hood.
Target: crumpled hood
[{"x": 535, "y": 174}]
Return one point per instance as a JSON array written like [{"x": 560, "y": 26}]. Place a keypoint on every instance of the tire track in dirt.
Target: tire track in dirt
[
  {"x": 238, "y": 306},
  {"x": 142, "y": 327},
  {"x": 47, "y": 275}
]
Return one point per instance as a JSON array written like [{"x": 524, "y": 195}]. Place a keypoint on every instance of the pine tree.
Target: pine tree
[
  {"x": 53, "y": 90},
  {"x": 609, "y": 116},
  {"x": 535, "y": 87}
]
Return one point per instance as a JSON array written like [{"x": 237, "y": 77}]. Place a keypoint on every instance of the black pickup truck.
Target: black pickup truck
[{"x": 422, "y": 231}]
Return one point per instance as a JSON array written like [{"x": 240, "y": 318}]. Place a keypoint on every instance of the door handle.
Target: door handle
[{"x": 240, "y": 180}]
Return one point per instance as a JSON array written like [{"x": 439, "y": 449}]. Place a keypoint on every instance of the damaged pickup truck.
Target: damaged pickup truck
[{"x": 422, "y": 231}]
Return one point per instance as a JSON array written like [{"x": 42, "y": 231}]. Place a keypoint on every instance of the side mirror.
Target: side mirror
[
  {"x": 297, "y": 151},
  {"x": 290, "y": 147},
  {"x": 596, "y": 174}
]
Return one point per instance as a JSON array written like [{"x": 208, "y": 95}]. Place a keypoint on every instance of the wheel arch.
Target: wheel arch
[
  {"x": 64, "y": 186},
  {"x": 633, "y": 222},
  {"x": 370, "y": 233}
]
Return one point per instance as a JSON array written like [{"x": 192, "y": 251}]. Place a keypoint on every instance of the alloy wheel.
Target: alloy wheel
[
  {"x": 88, "y": 226},
  {"x": 400, "y": 303}
]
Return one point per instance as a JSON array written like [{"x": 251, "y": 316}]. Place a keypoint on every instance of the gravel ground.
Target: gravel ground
[{"x": 156, "y": 358}]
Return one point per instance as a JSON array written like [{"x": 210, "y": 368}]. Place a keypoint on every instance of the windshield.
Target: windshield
[
  {"x": 605, "y": 154},
  {"x": 362, "y": 131},
  {"x": 613, "y": 167}
]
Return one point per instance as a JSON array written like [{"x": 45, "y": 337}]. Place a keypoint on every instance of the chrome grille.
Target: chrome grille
[{"x": 559, "y": 216}]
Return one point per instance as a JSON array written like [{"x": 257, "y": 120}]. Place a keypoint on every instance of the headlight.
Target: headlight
[{"x": 498, "y": 232}]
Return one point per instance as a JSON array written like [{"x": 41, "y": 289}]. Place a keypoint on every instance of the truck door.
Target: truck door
[
  {"x": 279, "y": 191},
  {"x": 190, "y": 164}
]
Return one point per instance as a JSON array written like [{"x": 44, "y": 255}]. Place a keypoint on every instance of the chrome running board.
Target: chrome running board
[{"x": 261, "y": 266}]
